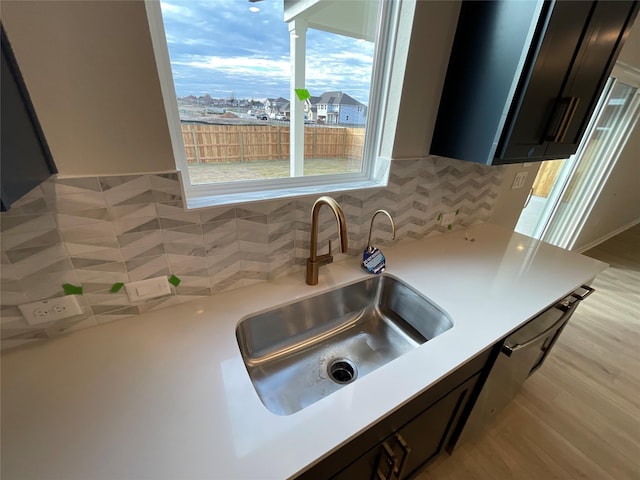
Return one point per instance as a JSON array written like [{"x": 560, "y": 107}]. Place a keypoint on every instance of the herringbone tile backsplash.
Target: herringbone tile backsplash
[{"x": 97, "y": 231}]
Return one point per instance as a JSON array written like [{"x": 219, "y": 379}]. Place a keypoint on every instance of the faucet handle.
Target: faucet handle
[{"x": 329, "y": 247}]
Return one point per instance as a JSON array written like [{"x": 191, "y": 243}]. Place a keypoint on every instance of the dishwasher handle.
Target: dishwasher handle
[
  {"x": 581, "y": 296},
  {"x": 567, "y": 310}
]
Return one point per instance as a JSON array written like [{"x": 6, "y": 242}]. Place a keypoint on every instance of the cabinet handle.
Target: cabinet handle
[
  {"x": 508, "y": 350},
  {"x": 582, "y": 296},
  {"x": 406, "y": 450},
  {"x": 389, "y": 459},
  {"x": 568, "y": 107}
]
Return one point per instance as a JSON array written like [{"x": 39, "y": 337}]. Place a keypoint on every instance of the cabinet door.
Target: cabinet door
[
  {"x": 26, "y": 160},
  {"x": 525, "y": 135},
  {"x": 594, "y": 61},
  {"x": 379, "y": 463},
  {"x": 425, "y": 436},
  {"x": 415, "y": 443}
]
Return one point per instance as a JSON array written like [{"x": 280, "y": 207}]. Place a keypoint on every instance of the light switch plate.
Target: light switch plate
[
  {"x": 46, "y": 311},
  {"x": 518, "y": 181},
  {"x": 149, "y": 288},
  {"x": 447, "y": 218}
]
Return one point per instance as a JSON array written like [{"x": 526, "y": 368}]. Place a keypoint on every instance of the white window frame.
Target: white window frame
[{"x": 375, "y": 169}]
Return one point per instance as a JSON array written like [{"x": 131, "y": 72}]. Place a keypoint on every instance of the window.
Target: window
[{"x": 270, "y": 98}]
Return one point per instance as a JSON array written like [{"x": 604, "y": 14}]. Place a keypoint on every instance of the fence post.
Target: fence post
[
  {"x": 344, "y": 144},
  {"x": 314, "y": 145},
  {"x": 241, "y": 143},
  {"x": 279, "y": 150},
  {"x": 195, "y": 143}
]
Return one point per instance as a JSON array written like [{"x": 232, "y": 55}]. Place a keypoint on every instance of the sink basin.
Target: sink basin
[{"x": 299, "y": 353}]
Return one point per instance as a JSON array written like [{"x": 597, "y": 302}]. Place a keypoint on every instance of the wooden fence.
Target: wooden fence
[
  {"x": 249, "y": 143},
  {"x": 546, "y": 177}
]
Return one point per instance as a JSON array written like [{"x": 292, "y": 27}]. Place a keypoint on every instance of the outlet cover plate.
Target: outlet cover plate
[{"x": 50, "y": 310}]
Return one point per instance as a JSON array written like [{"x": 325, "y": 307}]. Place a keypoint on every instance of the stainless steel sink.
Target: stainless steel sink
[{"x": 299, "y": 353}]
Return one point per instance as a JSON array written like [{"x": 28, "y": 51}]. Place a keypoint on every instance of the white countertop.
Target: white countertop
[{"x": 166, "y": 395}]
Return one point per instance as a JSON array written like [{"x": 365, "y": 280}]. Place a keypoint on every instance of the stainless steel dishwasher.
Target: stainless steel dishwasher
[{"x": 522, "y": 353}]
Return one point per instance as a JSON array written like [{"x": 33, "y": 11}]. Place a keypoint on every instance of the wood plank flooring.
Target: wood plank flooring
[{"x": 579, "y": 415}]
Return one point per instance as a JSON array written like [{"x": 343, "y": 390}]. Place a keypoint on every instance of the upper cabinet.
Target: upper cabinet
[
  {"x": 524, "y": 77},
  {"x": 26, "y": 160}
]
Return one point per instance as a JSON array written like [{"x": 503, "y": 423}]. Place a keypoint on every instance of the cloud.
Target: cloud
[{"x": 219, "y": 46}]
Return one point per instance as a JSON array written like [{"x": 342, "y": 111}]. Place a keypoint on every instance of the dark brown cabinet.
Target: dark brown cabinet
[
  {"x": 416, "y": 443},
  {"x": 408, "y": 438},
  {"x": 524, "y": 77},
  {"x": 26, "y": 160}
]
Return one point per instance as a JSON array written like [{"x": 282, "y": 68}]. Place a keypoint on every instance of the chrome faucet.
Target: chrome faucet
[{"x": 314, "y": 261}]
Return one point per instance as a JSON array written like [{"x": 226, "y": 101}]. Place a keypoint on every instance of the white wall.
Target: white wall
[
  {"x": 510, "y": 202},
  {"x": 91, "y": 74},
  {"x": 425, "y": 71}
]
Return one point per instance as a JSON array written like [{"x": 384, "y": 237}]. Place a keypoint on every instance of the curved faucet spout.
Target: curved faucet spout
[{"x": 314, "y": 261}]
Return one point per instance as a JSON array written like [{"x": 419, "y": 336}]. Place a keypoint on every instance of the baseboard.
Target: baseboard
[{"x": 606, "y": 237}]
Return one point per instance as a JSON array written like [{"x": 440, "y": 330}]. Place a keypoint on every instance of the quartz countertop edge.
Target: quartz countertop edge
[{"x": 166, "y": 395}]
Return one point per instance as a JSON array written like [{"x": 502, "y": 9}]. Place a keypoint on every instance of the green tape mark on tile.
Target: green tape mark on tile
[
  {"x": 117, "y": 287},
  {"x": 173, "y": 280},
  {"x": 70, "y": 289},
  {"x": 302, "y": 93}
]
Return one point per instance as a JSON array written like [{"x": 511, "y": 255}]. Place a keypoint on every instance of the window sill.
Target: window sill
[{"x": 197, "y": 197}]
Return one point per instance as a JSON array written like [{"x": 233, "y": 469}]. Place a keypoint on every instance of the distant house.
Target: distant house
[
  {"x": 311, "y": 108},
  {"x": 286, "y": 111},
  {"x": 275, "y": 106},
  {"x": 335, "y": 108}
]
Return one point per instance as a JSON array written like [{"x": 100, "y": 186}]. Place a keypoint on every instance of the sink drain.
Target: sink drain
[{"x": 342, "y": 371}]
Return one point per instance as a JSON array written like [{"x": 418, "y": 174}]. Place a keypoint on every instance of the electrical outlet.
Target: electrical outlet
[{"x": 46, "y": 311}]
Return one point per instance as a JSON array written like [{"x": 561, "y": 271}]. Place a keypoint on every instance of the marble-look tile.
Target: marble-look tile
[
  {"x": 172, "y": 216},
  {"x": 22, "y": 240},
  {"x": 147, "y": 267},
  {"x": 77, "y": 202},
  {"x": 186, "y": 240},
  {"x": 225, "y": 283},
  {"x": 57, "y": 186},
  {"x": 31, "y": 261},
  {"x": 124, "y": 182},
  {"x": 112, "y": 316},
  {"x": 217, "y": 214},
  {"x": 141, "y": 244},
  {"x": 42, "y": 286},
  {"x": 12, "y": 293},
  {"x": 96, "y": 231},
  {"x": 89, "y": 238},
  {"x": 136, "y": 224},
  {"x": 31, "y": 203}
]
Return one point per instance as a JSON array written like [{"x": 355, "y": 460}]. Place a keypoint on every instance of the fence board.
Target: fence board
[
  {"x": 546, "y": 177},
  {"x": 248, "y": 143}
]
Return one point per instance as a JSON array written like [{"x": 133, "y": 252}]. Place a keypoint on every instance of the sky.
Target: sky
[{"x": 221, "y": 48}]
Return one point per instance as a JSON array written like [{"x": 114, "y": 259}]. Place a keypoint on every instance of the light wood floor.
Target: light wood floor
[{"x": 579, "y": 415}]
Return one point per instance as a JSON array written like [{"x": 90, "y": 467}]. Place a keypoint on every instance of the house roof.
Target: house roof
[
  {"x": 277, "y": 101},
  {"x": 338, "y": 98}
]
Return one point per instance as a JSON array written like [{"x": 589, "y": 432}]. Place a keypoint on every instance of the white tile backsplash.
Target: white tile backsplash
[{"x": 96, "y": 231}]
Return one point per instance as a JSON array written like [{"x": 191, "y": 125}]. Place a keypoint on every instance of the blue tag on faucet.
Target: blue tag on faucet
[{"x": 373, "y": 260}]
